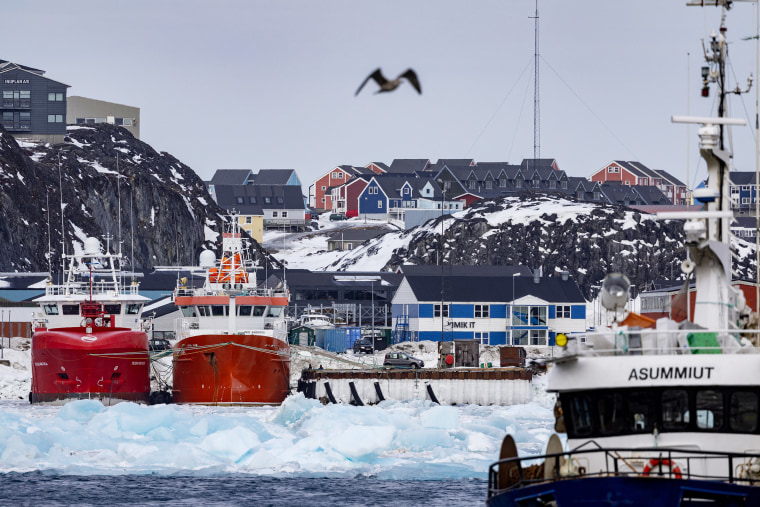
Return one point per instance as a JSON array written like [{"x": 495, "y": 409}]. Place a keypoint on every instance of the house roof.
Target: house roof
[
  {"x": 742, "y": 177},
  {"x": 408, "y": 165},
  {"x": 254, "y": 198},
  {"x": 6, "y": 66},
  {"x": 489, "y": 284},
  {"x": 231, "y": 177},
  {"x": 273, "y": 177}
]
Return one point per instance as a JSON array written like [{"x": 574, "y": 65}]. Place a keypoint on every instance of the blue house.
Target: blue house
[{"x": 496, "y": 305}]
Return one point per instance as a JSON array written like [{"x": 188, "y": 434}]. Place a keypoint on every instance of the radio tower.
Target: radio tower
[{"x": 536, "y": 101}]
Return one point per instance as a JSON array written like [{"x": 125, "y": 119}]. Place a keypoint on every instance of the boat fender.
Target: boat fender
[{"x": 658, "y": 463}]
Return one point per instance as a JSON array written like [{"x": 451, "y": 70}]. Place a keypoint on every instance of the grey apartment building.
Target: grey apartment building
[{"x": 33, "y": 106}]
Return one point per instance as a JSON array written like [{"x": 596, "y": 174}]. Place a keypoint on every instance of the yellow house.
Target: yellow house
[{"x": 253, "y": 225}]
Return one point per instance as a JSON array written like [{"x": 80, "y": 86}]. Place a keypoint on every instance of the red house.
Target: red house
[
  {"x": 321, "y": 197},
  {"x": 636, "y": 173}
]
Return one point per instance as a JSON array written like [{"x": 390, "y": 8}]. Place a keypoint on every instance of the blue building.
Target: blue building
[{"x": 497, "y": 305}]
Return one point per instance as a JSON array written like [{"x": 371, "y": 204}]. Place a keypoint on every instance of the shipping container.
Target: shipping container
[{"x": 335, "y": 339}]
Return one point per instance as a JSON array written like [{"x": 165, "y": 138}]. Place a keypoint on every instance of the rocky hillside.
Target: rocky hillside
[
  {"x": 550, "y": 233},
  {"x": 107, "y": 183}
]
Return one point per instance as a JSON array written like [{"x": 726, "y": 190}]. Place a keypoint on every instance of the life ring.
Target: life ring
[{"x": 661, "y": 462}]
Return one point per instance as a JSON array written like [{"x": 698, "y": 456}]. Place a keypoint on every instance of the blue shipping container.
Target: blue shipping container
[
  {"x": 319, "y": 338},
  {"x": 335, "y": 339},
  {"x": 353, "y": 334}
]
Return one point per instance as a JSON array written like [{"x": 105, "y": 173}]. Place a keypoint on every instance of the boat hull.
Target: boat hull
[
  {"x": 108, "y": 364},
  {"x": 630, "y": 491},
  {"x": 218, "y": 369}
]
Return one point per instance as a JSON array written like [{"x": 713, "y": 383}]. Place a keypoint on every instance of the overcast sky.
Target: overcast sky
[{"x": 270, "y": 84}]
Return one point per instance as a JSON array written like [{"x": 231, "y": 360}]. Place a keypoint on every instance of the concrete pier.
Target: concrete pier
[{"x": 460, "y": 386}]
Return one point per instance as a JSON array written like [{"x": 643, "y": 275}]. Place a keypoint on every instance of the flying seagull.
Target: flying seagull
[{"x": 389, "y": 86}]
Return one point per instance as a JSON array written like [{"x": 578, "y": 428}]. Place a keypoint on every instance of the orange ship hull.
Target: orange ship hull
[
  {"x": 218, "y": 369},
  {"x": 109, "y": 364}
]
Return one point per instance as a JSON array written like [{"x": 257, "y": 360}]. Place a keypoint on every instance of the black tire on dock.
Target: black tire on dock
[
  {"x": 379, "y": 392},
  {"x": 355, "y": 395},
  {"x": 329, "y": 392},
  {"x": 432, "y": 395}
]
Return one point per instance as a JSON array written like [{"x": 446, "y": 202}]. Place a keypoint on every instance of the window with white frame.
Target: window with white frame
[
  {"x": 324, "y": 188},
  {"x": 379, "y": 204},
  {"x": 284, "y": 214},
  {"x": 274, "y": 214},
  {"x": 563, "y": 311},
  {"x": 437, "y": 310},
  {"x": 482, "y": 338},
  {"x": 335, "y": 175},
  {"x": 340, "y": 176},
  {"x": 481, "y": 311}
]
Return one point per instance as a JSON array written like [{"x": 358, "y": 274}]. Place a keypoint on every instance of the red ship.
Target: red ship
[
  {"x": 89, "y": 344},
  {"x": 234, "y": 348}
]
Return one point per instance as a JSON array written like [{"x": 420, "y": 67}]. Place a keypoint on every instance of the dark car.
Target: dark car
[
  {"x": 402, "y": 359},
  {"x": 363, "y": 346},
  {"x": 156, "y": 344},
  {"x": 337, "y": 216}
]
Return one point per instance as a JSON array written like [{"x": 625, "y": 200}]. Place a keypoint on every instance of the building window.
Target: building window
[
  {"x": 613, "y": 169},
  {"x": 252, "y": 199},
  {"x": 268, "y": 200},
  {"x": 349, "y": 246},
  {"x": 284, "y": 214},
  {"x": 323, "y": 200},
  {"x": 280, "y": 199},
  {"x": 437, "y": 310},
  {"x": 482, "y": 338},
  {"x": 55, "y": 118},
  {"x": 380, "y": 204},
  {"x": 564, "y": 184},
  {"x": 503, "y": 183},
  {"x": 597, "y": 195},
  {"x": 563, "y": 311},
  {"x": 518, "y": 183},
  {"x": 335, "y": 175},
  {"x": 340, "y": 176},
  {"x": 489, "y": 185},
  {"x": 481, "y": 311},
  {"x": 552, "y": 184},
  {"x": 17, "y": 98},
  {"x": 249, "y": 220},
  {"x": 239, "y": 199},
  {"x": 536, "y": 183},
  {"x": 55, "y": 97},
  {"x": 579, "y": 195},
  {"x": 471, "y": 184},
  {"x": 745, "y": 200},
  {"x": 274, "y": 214}
]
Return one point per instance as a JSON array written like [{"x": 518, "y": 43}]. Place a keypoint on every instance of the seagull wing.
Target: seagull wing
[
  {"x": 411, "y": 76},
  {"x": 377, "y": 76}
]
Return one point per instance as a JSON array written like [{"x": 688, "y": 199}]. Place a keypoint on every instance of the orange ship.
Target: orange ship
[{"x": 233, "y": 348}]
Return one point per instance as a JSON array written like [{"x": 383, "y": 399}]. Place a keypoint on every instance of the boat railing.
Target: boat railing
[
  {"x": 635, "y": 341},
  {"x": 83, "y": 288},
  {"x": 519, "y": 472}
]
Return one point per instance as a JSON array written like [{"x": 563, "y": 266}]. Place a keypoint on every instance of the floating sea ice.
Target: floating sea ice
[
  {"x": 363, "y": 442},
  {"x": 231, "y": 444},
  {"x": 444, "y": 417}
]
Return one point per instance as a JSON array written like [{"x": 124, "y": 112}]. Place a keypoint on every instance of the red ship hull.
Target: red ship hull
[
  {"x": 109, "y": 364},
  {"x": 217, "y": 369}
]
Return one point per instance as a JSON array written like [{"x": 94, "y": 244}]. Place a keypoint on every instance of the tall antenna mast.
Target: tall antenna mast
[
  {"x": 118, "y": 193},
  {"x": 536, "y": 98},
  {"x": 63, "y": 231}
]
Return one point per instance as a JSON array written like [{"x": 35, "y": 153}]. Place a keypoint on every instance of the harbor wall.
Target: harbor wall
[{"x": 493, "y": 386}]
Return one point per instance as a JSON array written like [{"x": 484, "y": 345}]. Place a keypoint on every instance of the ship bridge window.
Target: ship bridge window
[
  {"x": 245, "y": 310},
  {"x": 219, "y": 310},
  {"x": 274, "y": 311},
  {"x": 709, "y": 404},
  {"x": 187, "y": 311},
  {"x": 204, "y": 311},
  {"x": 610, "y": 407},
  {"x": 258, "y": 311},
  {"x": 675, "y": 409},
  {"x": 70, "y": 309},
  {"x": 133, "y": 309},
  {"x": 743, "y": 416},
  {"x": 580, "y": 413},
  {"x": 641, "y": 413},
  {"x": 112, "y": 309},
  {"x": 51, "y": 309}
]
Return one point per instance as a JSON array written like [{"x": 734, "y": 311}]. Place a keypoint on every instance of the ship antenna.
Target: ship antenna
[
  {"x": 50, "y": 253},
  {"x": 118, "y": 193},
  {"x": 63, "y": 229}
]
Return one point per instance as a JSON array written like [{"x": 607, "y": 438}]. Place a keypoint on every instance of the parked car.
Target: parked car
[
  {"x": 402, "y": 359},
  {"x": 363, "y": 346},
  {"x": 156, "y": 344},
  {"x": 337, "y": 216}
]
